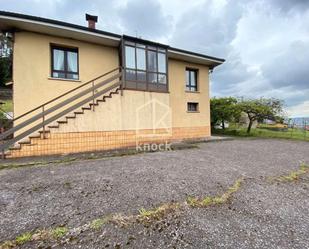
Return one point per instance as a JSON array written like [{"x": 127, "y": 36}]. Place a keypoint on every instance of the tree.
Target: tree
[
  {"x": 223, "y": 110},
  {"x": 5, "y": 59},
  {"x": 5, "y": 70},
  {"x": 261, "y": 109}
]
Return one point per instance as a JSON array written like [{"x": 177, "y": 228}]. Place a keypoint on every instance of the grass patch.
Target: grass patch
[
  {"x": 59, "y": 232},
  {"x": 293, "y": 175},
  {"x": 295, "y": 134},
  {"x": 98, "y": 223},
  {"x": 22, "y": 239},
  {"x": 122, "y": 220},
  {"x": 215, "y": 200},
  {"x": 157, "y": 213}
]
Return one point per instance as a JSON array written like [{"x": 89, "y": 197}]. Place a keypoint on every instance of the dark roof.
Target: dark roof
[
  {"x": 197, "y": 54},
  {"x": 97, "y": 31},
  {"x": 51, "y": 21}
]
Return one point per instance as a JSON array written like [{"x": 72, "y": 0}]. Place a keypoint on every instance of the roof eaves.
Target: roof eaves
[
  {"x": 76, "y": 27},
  {"x": 215, "y": 59},
  {"x": 58, "y": 23}
]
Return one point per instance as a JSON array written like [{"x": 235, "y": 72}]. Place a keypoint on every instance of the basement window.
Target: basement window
[
  {"x": 192, "y": 107},
  {"x": 64, "y": 63}
]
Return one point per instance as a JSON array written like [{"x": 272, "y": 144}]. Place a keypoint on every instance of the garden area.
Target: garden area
[
  {"x": 256, "y": 118},
  {"x": 264, "y": 131}
]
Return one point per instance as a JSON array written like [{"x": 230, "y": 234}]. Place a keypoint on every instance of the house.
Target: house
[{"x": 79, "y": 89}]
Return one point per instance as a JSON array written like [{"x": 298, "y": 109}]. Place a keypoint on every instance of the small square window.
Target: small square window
[{"x": 192, "y": 107}]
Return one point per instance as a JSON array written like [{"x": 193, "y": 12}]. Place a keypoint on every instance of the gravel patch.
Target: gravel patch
[{"x": 261, "y": 215}]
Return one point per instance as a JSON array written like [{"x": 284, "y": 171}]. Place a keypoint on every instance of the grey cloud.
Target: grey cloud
[
  {"x": 288, "y": 5},
  {"x": 145, "y": 18},
  {"x": 226, "y": 77},
  {"x": 289, "y": 68},
  {"x": 208, "y": 30}
]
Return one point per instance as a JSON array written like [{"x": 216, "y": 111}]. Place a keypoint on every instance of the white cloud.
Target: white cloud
[{"x": 301, "y": 110}]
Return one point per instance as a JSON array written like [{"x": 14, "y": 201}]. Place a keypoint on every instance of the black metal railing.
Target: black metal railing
[{"x": 46, "y": 113}]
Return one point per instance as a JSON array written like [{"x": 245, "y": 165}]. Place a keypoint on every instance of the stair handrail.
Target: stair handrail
[
  {"x": 66, "y": 93},
  {"x": 57, "y": 106},
  {"x": 8, "y": 143},
  {"x": 94, "y": 89}
]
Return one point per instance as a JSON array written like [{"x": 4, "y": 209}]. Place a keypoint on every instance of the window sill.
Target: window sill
[
  {"x": 192, "y": 91},
  {"x": 193, "y": 111},
  {"x": 63, "y": 79},
  {"x": 144, "y": 90}
]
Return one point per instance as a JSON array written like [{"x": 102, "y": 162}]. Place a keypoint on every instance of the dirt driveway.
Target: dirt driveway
[{"x": 265, "y": 212}]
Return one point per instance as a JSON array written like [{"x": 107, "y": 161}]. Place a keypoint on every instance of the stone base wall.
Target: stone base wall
[{"x": 76, "y": 142}]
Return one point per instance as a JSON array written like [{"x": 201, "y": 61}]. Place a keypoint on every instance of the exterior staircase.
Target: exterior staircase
[{"x": 37, "y": 127}]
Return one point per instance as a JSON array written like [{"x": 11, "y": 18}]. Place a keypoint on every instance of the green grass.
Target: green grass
[
  {"x": 98, "y": 223},
  {"x": 59, "y": 232},
  {"x": 215, "y": 200},
  {"x": 7, "y": 106},
  {"x": 294, "y": 175},
  {"x": 157, "y": 213},
  {"x": 22, "y": 239},
  {"x": 296, "y": 134}
]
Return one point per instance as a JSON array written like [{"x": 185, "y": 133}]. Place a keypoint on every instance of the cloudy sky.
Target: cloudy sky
[{"x": 265, "y": 42}]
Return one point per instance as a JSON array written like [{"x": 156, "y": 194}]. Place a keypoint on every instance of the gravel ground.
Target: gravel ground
[{"x": 260, "y": 215}]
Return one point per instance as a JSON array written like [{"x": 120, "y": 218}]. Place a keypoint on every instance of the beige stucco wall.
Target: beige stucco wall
[
  {"x": 32, "y": 87},
  {"x": 32, "y": 65},
  {"x": 179, "y": 97},
  {"x": 133, "y": 111}
]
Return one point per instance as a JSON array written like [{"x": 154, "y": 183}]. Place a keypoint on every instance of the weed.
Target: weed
[
  {"x": 157, "y": 213},
  {"x": 216, "y": 200},
  {"x": 23, "y": 238},
  {"x": 294, "y": 175},
  {"x": 59, "y": 232},
  {"x": 122, "y": 220},
  {"x": 192, "y": 201},
  {"x": 98, "y": 223},
  {"x": 207, "y": 201}
]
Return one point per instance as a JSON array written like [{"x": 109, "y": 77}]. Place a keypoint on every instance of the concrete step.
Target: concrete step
[
  {"x": 62, "y": 122},
  {"x": 53, "y": 126}
]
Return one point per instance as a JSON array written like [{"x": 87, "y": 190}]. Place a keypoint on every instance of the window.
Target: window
[
  {"x": 145, "y": 66},
  {"x": 191, "y": 80},
  {"x": 64, "y": 63},
  {"x": 192, "y": 107}
]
